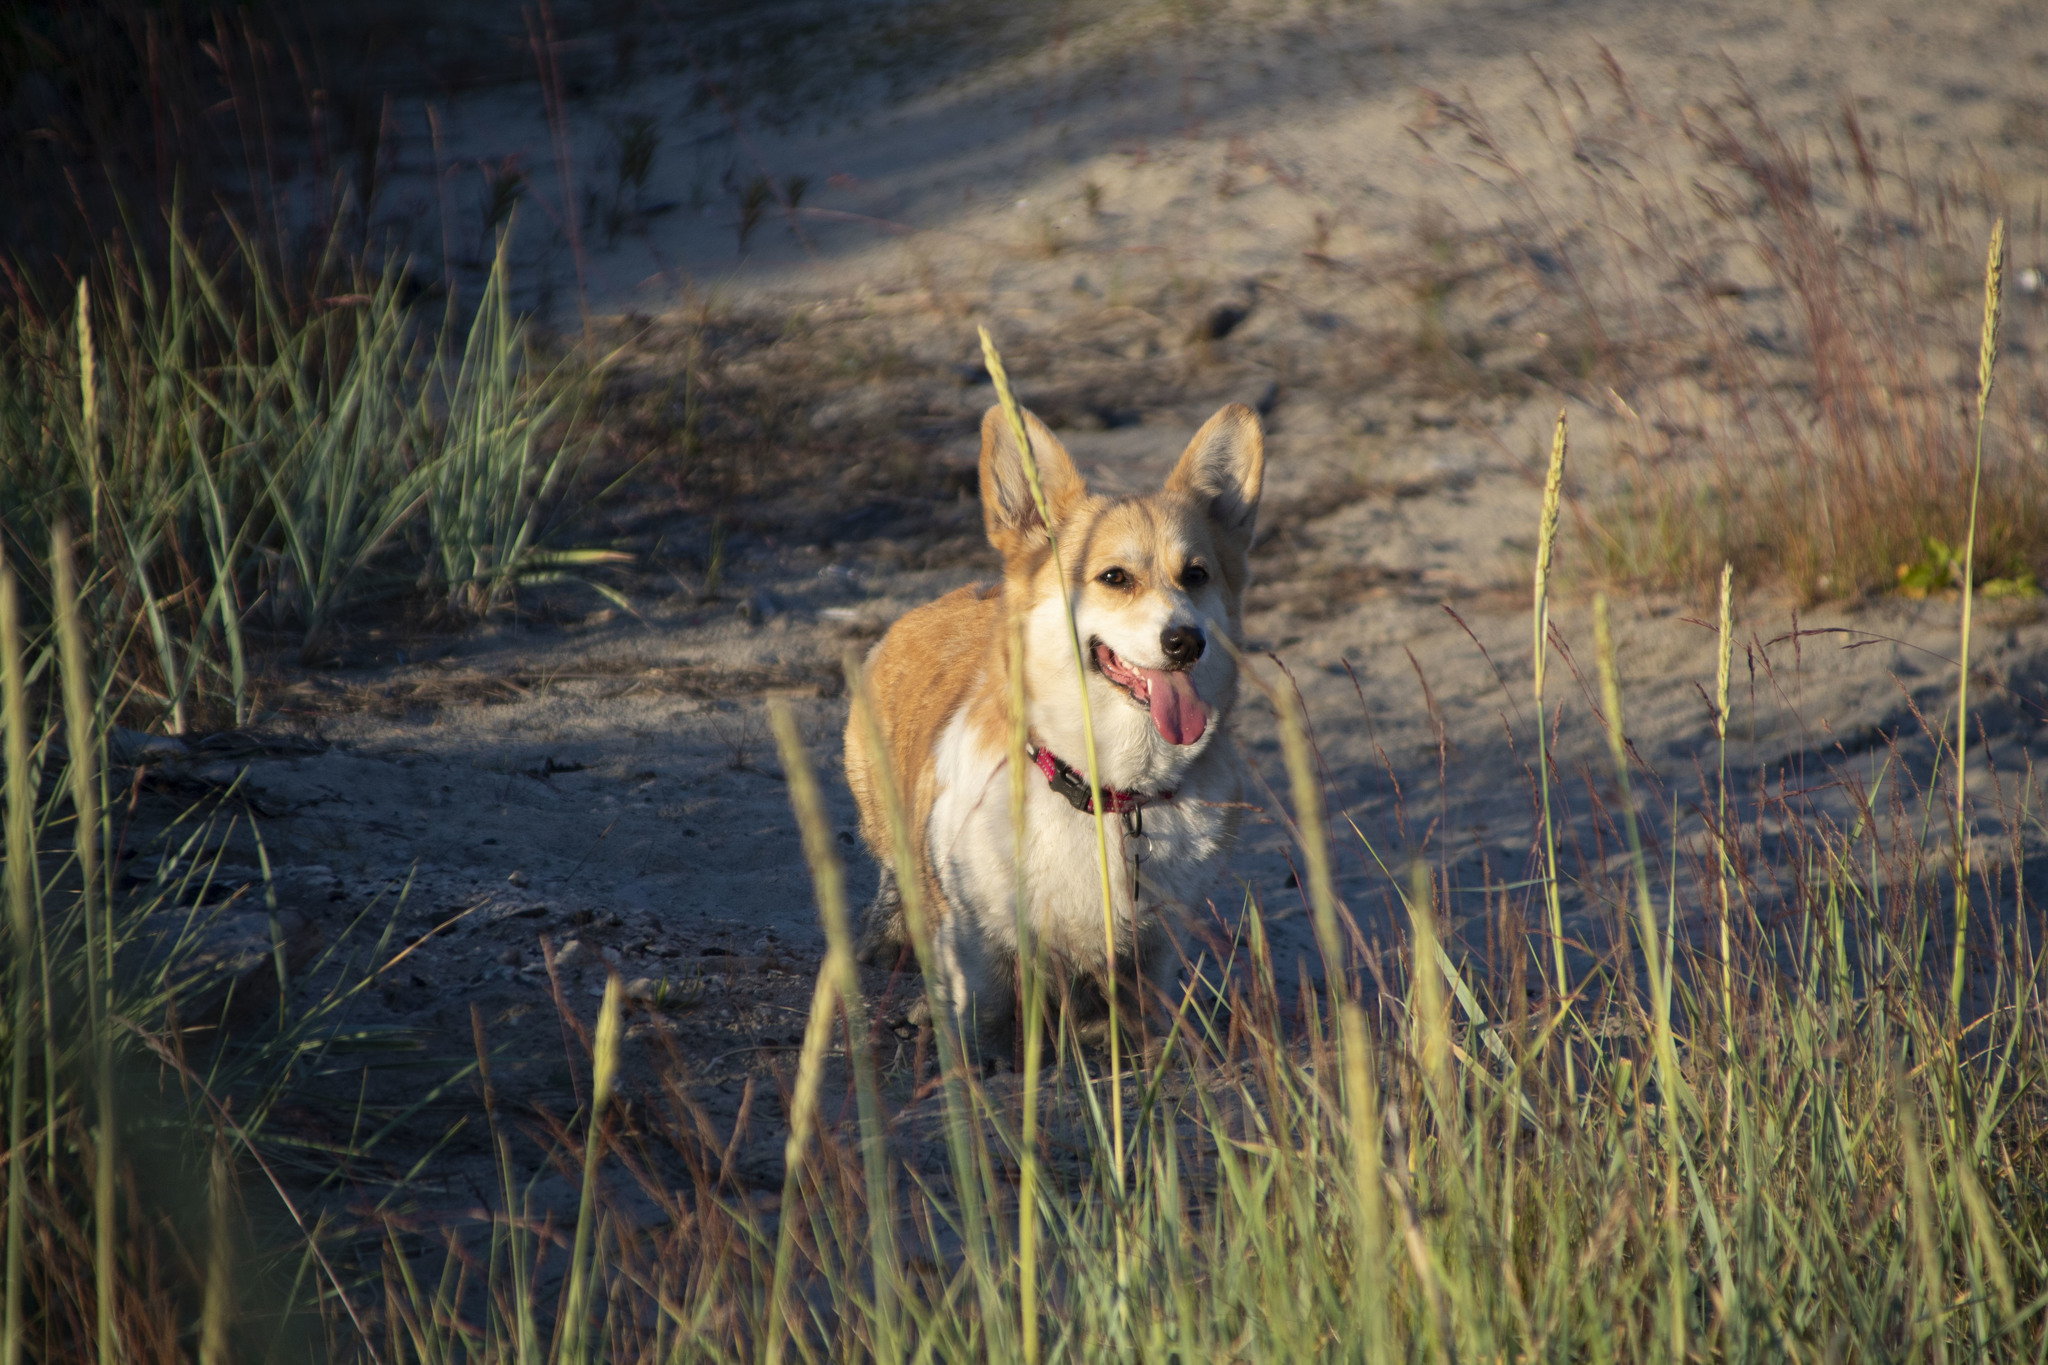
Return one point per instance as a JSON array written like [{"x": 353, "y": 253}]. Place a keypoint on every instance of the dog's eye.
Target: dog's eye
[
  {"x": 1194, "y": 576},
  {"x": 1113, "y": 578}
]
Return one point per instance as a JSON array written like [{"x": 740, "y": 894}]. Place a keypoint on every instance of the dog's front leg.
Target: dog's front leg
[
  {"x": 883, "y": 936},
  {"x": 978, "y": 980},
  {"x": 1155, "y": 979}
]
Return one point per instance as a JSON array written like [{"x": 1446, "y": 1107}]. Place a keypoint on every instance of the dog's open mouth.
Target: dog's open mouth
[{"x": 1169, "y": 694}]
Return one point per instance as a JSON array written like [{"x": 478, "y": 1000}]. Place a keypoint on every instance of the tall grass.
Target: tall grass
[
  {"x": 1987, "y": 363},
  {"x": 21, "y": 919},
  {"x": 1398, "y": 1164},
  {"x": 242, "y": 470},
  {"x": 1013, "y": 414},
  {"x": 139, "y": 1161},
  {"x": 1389, "y": 1191},
  {"x": 1402, "y": 1161},
  {"x": 1546, "y": 548},
  {"x": 838, "y": 991}
]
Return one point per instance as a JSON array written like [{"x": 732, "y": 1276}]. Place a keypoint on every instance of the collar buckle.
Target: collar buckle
[{"x": 1062, "y": 778}]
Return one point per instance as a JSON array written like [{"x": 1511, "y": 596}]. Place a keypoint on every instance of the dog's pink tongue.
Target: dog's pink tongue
[{"x": 1176, "y": 710}]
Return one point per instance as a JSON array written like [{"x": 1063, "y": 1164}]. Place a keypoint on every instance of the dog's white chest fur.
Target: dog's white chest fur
[{"x": 973, "y": 843}]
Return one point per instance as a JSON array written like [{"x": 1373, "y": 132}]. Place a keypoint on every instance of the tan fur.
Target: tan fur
[
  {"x": 942, "y": 670},
  {"x": 917, "y": 677}
]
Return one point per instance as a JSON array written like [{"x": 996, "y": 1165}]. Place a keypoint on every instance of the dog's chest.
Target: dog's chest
[{"x": 973, "y": 841}]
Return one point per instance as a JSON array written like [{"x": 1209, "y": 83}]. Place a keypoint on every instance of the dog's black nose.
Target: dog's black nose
[{"x": 1183, "y": 644}]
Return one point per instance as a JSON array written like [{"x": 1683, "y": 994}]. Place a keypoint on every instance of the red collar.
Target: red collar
[{"x": 1074, "y": 787}]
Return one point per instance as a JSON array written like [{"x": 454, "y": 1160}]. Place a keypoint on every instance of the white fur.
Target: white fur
[{"x": 972, "y": 839}]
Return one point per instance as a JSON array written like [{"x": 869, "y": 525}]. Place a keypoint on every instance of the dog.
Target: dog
[{"x": 1154, "y": 585}]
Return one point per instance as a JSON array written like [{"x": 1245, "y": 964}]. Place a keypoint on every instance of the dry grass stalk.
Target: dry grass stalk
[
  {"x": 217, "y": 1308},
  {"x": 1658, "y": 967},
  {"x": 1031, "y": 987},
  {"x": 1987, "y": 364},
  {"x": 838, "y": 989},
  {"x": 21, "y": 918},
  {"x": 1014, "y": 415},
  {"x": 82, "y": 739},
  {"x": 1724, "y": 655},
  {"x": 573, "y": 1334},
  {"x": 1546, "y": 546}
]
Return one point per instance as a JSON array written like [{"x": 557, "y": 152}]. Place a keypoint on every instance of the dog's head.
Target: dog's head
[{"x": 1151, "y": 583}]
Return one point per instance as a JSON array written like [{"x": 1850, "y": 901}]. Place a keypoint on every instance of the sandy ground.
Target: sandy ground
[{"x": 1156, "y": 215}]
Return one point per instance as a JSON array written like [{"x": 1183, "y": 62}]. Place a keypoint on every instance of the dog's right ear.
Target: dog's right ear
[{"x": 1007, "y": 508}]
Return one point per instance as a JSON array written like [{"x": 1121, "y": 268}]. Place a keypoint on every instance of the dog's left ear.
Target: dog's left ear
[
  {"x": 1226, "y": 463},
  {"x": 1007, "y": 507}
]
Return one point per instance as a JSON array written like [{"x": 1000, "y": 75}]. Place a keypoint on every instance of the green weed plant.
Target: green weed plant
[{"x": 241, "y": 469}]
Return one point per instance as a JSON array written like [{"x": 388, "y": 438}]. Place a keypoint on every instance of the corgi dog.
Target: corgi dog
[{"x": 1152, "y": 585}]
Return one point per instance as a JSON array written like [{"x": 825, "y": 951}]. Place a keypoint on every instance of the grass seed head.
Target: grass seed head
[
  {"x": 1724, "y": 651},
  {"x": 1994, "y": 291},
  {"x": 606, "y": 1050},
  {"x": 1553, "y": 492}
]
